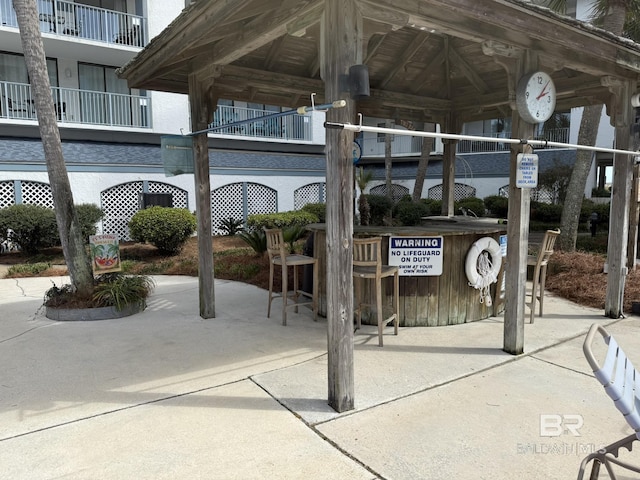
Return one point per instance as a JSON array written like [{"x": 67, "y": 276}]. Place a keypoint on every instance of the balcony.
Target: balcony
[
  {"x": 78, "y": 106},
  {"x": 75, "y": 20},
  {"x": 289, "y": 127},
  {"x": 560, "y": 135}
]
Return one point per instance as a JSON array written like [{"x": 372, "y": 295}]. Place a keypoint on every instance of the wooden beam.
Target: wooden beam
[
  {"x": 416, "y": 44},
  {"x": 634, "y": 212},
  {"x": 340, "y": 48},
  {"x": 202, "y": 104},
  {"x": 622, "y": 117},
  {"x": 517, "y": 229}
]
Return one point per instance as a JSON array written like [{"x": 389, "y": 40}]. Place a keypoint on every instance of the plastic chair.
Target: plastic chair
[
  {"x": 279, "y": 256},
  {"x": 367, "y": 264},
  {"x": 540, "y": 262},
  {"x": 619, "y": 378}
]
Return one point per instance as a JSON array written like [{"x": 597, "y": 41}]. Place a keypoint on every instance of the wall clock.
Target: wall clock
[{"x": 536, "y": 97}]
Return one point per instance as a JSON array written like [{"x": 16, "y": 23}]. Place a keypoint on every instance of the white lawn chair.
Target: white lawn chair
[{"x": 621, "y": 381}]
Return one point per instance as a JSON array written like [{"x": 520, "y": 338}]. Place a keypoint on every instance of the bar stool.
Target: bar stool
[
  {"x": 367, "y": 264},
  {"x": 279, "y": 256}
]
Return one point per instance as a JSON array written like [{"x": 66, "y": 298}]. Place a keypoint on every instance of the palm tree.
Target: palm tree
[
  {"x": 68, "y": 226},
  {"x": 611, "y": 15},
  {"x": 362, "y": 179}
]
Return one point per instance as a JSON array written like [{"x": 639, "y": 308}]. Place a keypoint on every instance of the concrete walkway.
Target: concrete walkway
[{"x": 167, "y": 395}]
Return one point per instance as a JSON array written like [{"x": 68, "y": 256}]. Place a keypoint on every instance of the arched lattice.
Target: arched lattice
[
  {"x": 7, "y": 194},
  {"x": 36, "y": 193},
  {"x": 539, "y": 194},
  {"x": 397, "y": 191},
  {"x": 312, "y": 193},
  {"x": 179, "y": 196},
  {"x": 237, "y": 199},
  {"x": 121, "y": 202},
  {"x": 460, "y": 191}
]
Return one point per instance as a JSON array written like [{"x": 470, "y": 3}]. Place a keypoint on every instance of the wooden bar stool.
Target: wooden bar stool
[
  {"x": 279, "y": 256},
  {"x": 367, "y": 264},
  {"x": 540, "y": 262}
]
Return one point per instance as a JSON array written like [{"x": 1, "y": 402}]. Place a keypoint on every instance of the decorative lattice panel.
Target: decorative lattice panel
[
  {"x": 540, "y": 194},
  {"x": 261, "y": 199},
  {"x": 37, "y": 193},
  {"x": 460, "y": 191},
  {"x": 226, "y": 202},
  {"x": 397, "y": 191},
  {"x": 230, "y": 201},
  {"x": 312, "y": 193},
  {"x": 7, "y": 194},
  {"x": 119, "y": 204},
  {"x": 180, "y": 196}
]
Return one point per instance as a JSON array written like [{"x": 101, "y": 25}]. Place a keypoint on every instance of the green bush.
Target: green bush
[
  {"x": 498, "y": 206},
  {"x": 256, "y": 239},
  {"x": 88, "y": 215},
  {"x": 410, "y": 213},
  {"x": 546, "y": 212},
  {"x": 600, "y": 192},
  {"x": 166, "y": 228},
  {"x": 282, "y": 220},
  {"x": 318, "y": 209},
  {"x": 230, "y": 226},
  {"x": 602, "y": 209},
  {"x": 34, "y": 227},
  {"x": 380, "y": 208},
  {"x": 471, "y": 205},
  {"x": 435, "y": 206}
]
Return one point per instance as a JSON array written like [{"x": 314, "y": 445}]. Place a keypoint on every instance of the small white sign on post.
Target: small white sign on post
[
  {"x": 416, "y": 256},
  {"x": 527, "y": 170}
]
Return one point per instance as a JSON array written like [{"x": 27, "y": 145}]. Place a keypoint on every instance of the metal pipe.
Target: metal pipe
[{"x": 453, "y": 136}]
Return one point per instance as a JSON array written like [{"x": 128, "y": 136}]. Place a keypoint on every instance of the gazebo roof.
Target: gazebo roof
[{"x": 426, "y": 58}]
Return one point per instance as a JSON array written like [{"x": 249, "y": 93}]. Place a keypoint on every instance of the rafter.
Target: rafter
[{"x": 416, "y": 44}]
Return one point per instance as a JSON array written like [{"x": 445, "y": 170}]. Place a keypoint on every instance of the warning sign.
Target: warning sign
[
  {"x": 416, "y": 256},
  {"x": 527, "y": 171}
]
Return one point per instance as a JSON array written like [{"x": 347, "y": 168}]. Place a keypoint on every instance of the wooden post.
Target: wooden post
[
  {"x": 449, "y": 168},
  {"x": 202, "y": 105},
  {"x": 340, "y": 48},
  {"x": 622, "y": 118},
  {"x": 517, "y": 234}
]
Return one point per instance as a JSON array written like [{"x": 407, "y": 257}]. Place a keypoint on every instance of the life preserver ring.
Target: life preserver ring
[{"x": 487, "y": 274}]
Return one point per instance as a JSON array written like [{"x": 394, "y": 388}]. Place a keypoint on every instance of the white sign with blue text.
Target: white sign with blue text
[
  {"x": 416, "y": 256},
  {"x": 527, "y": 170}
]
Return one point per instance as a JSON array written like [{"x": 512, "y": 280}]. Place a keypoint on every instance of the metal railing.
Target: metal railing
[
  {"x": 78, "y": 106},
  {"x": 475, "y": 146},
  {"x": 83, "y": 21},
  {"x": 291, "y": 127}
]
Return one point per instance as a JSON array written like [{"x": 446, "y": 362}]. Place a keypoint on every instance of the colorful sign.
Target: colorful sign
[
  {"x": 105, "y": 254},
  {"x": 416, "y": 256}
]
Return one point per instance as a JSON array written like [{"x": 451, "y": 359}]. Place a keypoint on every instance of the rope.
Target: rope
[{"x": 484, "y": 266}]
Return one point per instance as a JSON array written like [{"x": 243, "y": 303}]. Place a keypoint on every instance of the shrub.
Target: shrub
[
  {"x": 281, "y": 220},
  {"x": 34, "y": 227},
  {"x": 380, "y": 208},
  {"x": 166, "y": 228},
  {"x": 498, "y": 206},
  {"x": 602, "y": 209},
  {"x": 256, "y": 239},
  {"x": 119, "y": 290},
  {"x": 410, "y": 213},
  {"x": 230, "y": 226},
  {"x": 471, "y": 205},
  {"x": 546, "y": 212},
  {"x": 88, "y": 215},
  {"x": 435, "y": 206},
  {"x": 318, "y": 209}
]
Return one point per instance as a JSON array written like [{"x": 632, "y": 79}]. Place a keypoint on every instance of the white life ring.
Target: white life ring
[{"x": 478, "y": 279}]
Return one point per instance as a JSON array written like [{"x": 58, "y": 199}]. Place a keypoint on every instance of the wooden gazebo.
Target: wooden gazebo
[{"x": 441, "y": 61}]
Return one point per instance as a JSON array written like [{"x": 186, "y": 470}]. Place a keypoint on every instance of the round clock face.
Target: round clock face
[{"x": 536, "y": 97}]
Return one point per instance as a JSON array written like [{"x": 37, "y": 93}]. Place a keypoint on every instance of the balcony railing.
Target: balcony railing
[
  {"x": 78, "y": 106},
  {"x": 83, "y": 21},
  {"x": 560, "y": 135},
  {"x": 288, "y": 127}
]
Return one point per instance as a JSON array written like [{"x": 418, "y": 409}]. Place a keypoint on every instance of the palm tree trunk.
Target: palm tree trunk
[
  {"x": 73, "y": 245},
  {"x": 388, "y": 162},
  {"x": 423, "y": 163}
]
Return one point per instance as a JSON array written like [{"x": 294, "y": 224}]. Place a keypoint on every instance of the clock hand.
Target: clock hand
[{"x": 543, "y": 92}]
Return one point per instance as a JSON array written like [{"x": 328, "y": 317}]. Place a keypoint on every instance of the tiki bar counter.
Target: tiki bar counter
[{"x": 435, "y": 288}]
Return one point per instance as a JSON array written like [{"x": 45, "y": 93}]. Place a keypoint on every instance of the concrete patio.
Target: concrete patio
[{"x": 167, "y": 395}]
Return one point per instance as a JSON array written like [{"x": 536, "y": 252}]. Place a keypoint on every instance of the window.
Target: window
[
  {"x": 381, "y": 136},
  {"x": 105, "y": 99}
]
